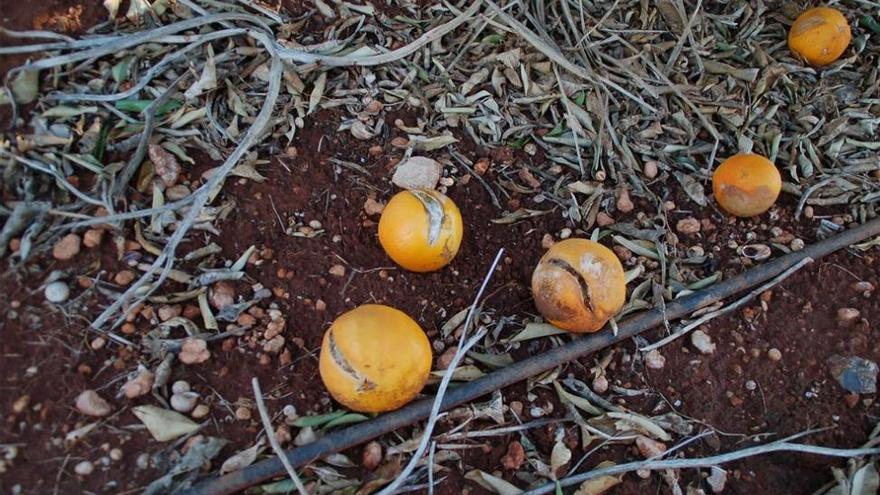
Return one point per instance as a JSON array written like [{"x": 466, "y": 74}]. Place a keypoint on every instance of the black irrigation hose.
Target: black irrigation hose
[{"x": 386, "y": 423}]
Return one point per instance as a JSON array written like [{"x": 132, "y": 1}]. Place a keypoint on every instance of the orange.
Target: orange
[
  {"x": 579, "y": 285},
  {"x": 420, "y": 230},
  {"x": 374, "y": 358},
  {"x": 820, "y": 35},
  {"x": 746, "y": 185}
]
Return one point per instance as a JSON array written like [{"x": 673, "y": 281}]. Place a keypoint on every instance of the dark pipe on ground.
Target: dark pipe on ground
[{"x": 388, "y": 422}]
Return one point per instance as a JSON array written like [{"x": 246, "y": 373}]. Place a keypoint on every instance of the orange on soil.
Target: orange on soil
[
  {"x": 420, "y": 230},
  {"x": 746, "y": 185},
  {"x": 579, "y": 285},
  {"x": 374, "y": 358},
  {"x": 820, "y": 35}
]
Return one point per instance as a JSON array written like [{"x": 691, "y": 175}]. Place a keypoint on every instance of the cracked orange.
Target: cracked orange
[
  {"x": 746, "y": 185},
  {"x": 420, "y": 230},
  {"x": 820, "y": 35},
  {"x": 374, "y": 358},
  {"x": 579, "y": 285}
]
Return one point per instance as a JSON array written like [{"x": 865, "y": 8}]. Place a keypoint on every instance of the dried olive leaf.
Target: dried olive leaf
[
  {"x": 112, "y": 7},
  {"x": 64, "y": 112},
  {"x": 537, "y": 331},
  {"x": 317, "y": 92},
  {"x": 865, "y": 481},
  {"x": 248, "y": 171},
  {"x": 137, "y": 9},
  {"x": 164, "y": 424},
  {"x": 26, "y": 86},
  {"x": 559, "y": 457},
  {"x": 692, "y": 187},
  {"x": 600, "y": 485},
  {"x": 492, "y": 483},
  {"x": 318, "y": 420},
  {"x": 242, "y": 459},
  {"x": 432, "y": 143}
]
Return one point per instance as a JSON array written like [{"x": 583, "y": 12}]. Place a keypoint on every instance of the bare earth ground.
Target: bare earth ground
[{"x": 46, "y": 358}]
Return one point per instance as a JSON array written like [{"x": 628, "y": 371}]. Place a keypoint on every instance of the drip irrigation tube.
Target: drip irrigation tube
[{"x": 355, "y": 435}]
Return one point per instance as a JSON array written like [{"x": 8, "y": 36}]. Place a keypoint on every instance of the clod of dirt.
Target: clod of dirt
[
  {"x": 84, "y": 468},
  {"x": 56, "y": 292},
  {"x": 194, "y": 351},
  {"x": 124, "y": 277},
  {"x": 67, "y": 247},
  {"x": 603, "y": 219},
  {"x": 624, "y": 203},
  {"x": 654, "y": 360},
  {"x": 184, "y": 401},
  {"x": 274, "y": 345},
  {"x": 372, "y": 455},
  {"x": 702, "y": 342},
  {"x": 847, "y": 316},
  {"x": 418, "y": 172},
  {"x": 855, "y": 374},
  {"x": 373, "y": 207},
  {"x": 688, "y": 226},
  {"x": 515, "y": 456},
  {"x": 337, "y": 270},
  {"x": 91, "y": 404},
  {"x": 649, "y": 447},
  {"x": 166, "y": 312},
  {"x": 651, "y": 169},
  {"x": 93, "y": 237},
  {"x": 222, "y": 294},
  {"x": 139, "y": 385},
  {"x": 165, "y": 164},
  {"x": 98, "y": 343}
]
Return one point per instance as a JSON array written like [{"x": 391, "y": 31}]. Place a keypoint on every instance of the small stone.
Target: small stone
[
  {"x": 305, "y": 436},
  {"x": 194, "y": 351},
  {"x": 600, "y": 384},
  {"x": 565, "y": 233},
  {"x": 124, "y": 277},
  {"x": 372, "y": 455},
  {"x": 67, "y": 247},
  {"x": 717, "y": 479},
  {"x": 200, "y": 411},
  {"x": 243, "y": 413},
  {"x": 84, "y": 468},
  {"x": 649, "y": 447},
  {"x": 222, "y": 295},
  {"x": 856, "y": 375},
  {"x": 547, "y": 241},
  {"x": 246, "y": 320},
  {"x": 337, "y": 270},
  {"x": 93, "y": 237},
  {"x": 282, "y": 434},
  {"x": 56, "y": 292},
  {"x": 624, "y": 203},
  {"x": 847, "y": 316},
  {"x": 21, "y": 404},
  {"x": 651, "y": 168},
  {"x": 177, "y": 192},
  {"x": 320, "y": 306},
  {"x": 702, "y": 342},
  {"x": 774, "y": 354},
  {"x": 622, "y": 253},
  {"x": 796, "y": 244},
  {"x": 139, "y": 385},
  {"x": 116, "y": 454},
  {"x": 603, "y": 219},
  {"x": 654, "y": 360},
  {"x": 863, "y": 287},
  {"x": 180, "y": 387},
  {"x": 275, "y": 345},
  {"x": 417, "y": 172},
  {"x": 184, "y": 402},
  {"x": 643, "y": 473},
  {"x": 91, "y": 404},
  {"x": 142, "y": 461},
  {"x": 688, "y": 226},
  {"x": 515, "y": 456},
  {"x": 751, "y": 385},
  {"x": 373, "y": 207},
  {"x": 98, "y": 343},
  {"x": 445, "y": 359},
  {"x": 315, "y": 224},
  {"x": 166, "y": 311}
]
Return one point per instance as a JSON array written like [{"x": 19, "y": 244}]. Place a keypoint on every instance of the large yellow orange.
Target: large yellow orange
[
  {"x": 820, "y": 35},
  {"x": 420, "y": 230},
  {"x": 374, "y": 358},
  {"x": 579, "y": 285},
  {"x": 746, "y": 185}
]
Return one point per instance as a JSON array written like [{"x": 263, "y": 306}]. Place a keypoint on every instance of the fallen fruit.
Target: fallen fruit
[
  {"x": 820, "y": 35},
  {"x": 579, "y": 285},
  {"x": 374, "y": 358},
  {"x": 420, "y": 230},
  {"x": 746, "y": 185}
]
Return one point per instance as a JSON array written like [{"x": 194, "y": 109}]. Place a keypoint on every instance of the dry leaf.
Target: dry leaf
[
  {"x": 112, "y": 7},
  {"x": 492, "y": 483},
  {"x": 600, "y": 485},
  {"x": 559, "y": 457},
  {"x": 317, "y": 92},
  {"x": 242, "y": 459},
  {"x": 137, "y": 10},
  {"x": 164, "y": 424}
]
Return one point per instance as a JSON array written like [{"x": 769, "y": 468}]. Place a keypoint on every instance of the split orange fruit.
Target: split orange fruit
[
  {"x": 421, "y": 230},
  {"x": 374, "y": 358},
  {"x": 820, "y": 35},
  {"x": 746, "y": 185},
  {"x": 579, "y": 285}
]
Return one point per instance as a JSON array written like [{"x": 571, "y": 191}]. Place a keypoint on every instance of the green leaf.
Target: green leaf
[
  {"x": 346, "y": 419},
  {"x": 492, "y": 360},
  {"x": 493, "y": 39},
  {"x": 120, "y": 71},
  {"x": 536, "y": 331},
  {"x": 138, "y": 106},
  {"x": 580, "y": 99},
  {"x": 26, "y": 86},
  {"x": 870, "y": 23},
  {"x": 318, "y": 420},
  {"x": 556, "y": 131},
  {"x": 101, "y": 143}
]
